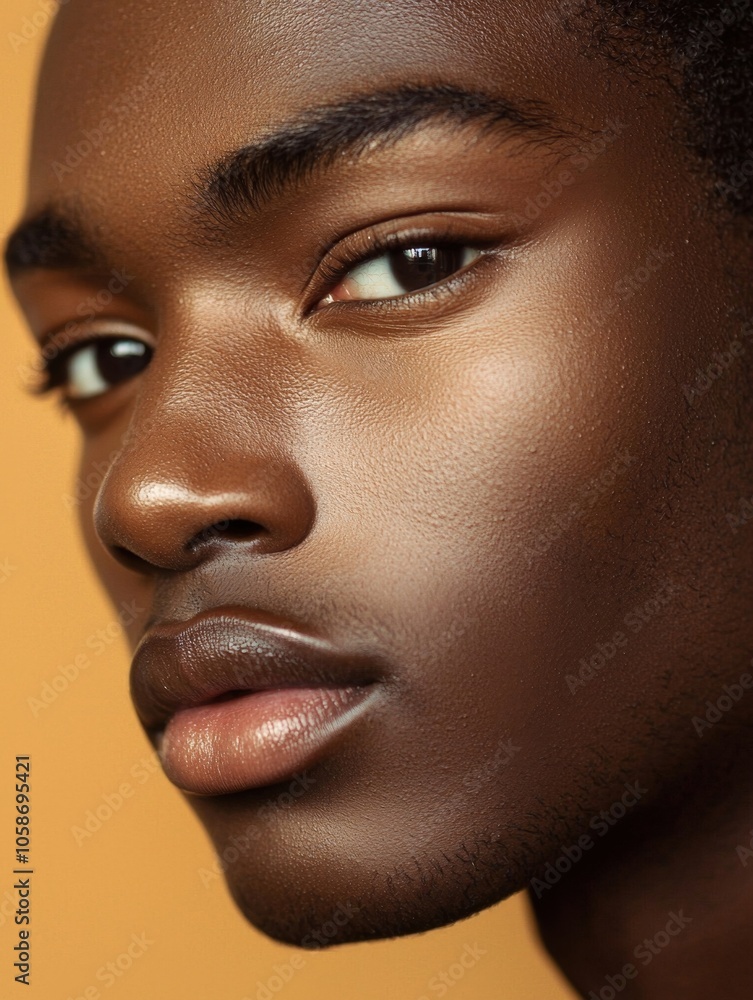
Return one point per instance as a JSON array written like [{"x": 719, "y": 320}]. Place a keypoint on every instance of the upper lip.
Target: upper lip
[{"x": 181, "y": 664}]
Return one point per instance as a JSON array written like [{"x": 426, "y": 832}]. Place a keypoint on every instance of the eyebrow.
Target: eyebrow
[
  {"x": 55, "y": 238},
  {"x": 246, "y": 179}
]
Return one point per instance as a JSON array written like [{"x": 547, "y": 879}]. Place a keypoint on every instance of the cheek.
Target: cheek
[{"x": 481, "y": 526}]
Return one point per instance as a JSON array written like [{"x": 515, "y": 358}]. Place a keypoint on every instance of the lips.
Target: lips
[{"x": 235, "y": 701}]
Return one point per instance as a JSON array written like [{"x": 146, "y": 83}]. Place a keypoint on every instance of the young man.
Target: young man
[{"x": 410, "y": 347}]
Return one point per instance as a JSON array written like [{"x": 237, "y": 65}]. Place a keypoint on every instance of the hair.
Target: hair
[{"x": 704, "y": 50}]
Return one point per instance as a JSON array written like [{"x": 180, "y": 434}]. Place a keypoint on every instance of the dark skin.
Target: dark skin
[{"x": 402, "y": 474}]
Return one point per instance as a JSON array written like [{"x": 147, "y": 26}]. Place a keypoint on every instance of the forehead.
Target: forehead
[{"x": 160, "y": 90}]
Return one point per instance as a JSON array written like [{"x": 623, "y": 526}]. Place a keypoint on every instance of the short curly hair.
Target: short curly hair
[{"x": 705, "y": 50}]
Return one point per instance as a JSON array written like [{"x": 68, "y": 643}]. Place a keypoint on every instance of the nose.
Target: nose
[{"x": 175, "y": 497}]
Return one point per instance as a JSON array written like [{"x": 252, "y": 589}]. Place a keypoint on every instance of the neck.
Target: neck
[{"x": 663, "y": 906}]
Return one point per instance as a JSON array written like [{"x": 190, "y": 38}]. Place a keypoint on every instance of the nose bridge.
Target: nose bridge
[{"x": 202, "y": 466}]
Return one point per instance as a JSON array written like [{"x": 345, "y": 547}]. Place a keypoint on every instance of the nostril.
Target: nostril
[
  {"x": 236, "y": 529},
  {"x": 129, "y": 559}
]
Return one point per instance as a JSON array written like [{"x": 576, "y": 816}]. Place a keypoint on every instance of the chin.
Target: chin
[
  {"x": 369, "y": 852},
  {"x": 313, "y": 905}
]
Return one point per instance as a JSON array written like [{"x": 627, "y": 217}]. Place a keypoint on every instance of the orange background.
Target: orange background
[{"x": 141, "y": 871}]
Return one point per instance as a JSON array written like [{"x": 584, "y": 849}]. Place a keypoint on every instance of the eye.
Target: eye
[
  {"x": 91, "y": 369},
  {"x": 401, "y": 271}
]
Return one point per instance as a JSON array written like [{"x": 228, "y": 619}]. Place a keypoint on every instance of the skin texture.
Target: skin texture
[{"x": 477, "y": 487}]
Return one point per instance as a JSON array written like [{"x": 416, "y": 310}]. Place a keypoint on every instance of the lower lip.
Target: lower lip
[{"x": 255, "y": 739}]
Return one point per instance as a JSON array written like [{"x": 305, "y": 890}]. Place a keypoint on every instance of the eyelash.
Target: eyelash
[
  {"x": 51, "y": 373},
  {"x": 331, "y": 273}
]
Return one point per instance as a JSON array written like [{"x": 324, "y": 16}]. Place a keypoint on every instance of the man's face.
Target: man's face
[{"x": 500, "y": 492}]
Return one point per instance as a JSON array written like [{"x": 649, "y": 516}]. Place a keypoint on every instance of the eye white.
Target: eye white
[
  {"x": 375, "y": 278},
  {"x": 84, "y": 377}
]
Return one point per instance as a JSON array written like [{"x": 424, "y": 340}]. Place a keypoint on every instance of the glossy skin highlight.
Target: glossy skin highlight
[{"x": 476, "y": 484}]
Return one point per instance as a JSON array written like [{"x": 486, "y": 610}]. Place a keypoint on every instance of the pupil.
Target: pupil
[
  {"x": 419, "y": 267},
  {"x": 118, "y": 360}
]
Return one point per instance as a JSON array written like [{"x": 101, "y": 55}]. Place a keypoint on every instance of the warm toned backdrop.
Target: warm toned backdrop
[{"x": 141, "y": 871}]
